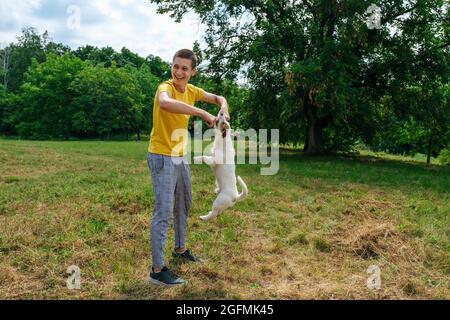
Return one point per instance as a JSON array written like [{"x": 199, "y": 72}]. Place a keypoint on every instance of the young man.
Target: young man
[{"x": 171, "y": 178}]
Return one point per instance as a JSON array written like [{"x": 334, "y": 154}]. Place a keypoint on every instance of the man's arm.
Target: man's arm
[
  {"x": 218, "y": 100},
  {"x": 166, "y": 103}
]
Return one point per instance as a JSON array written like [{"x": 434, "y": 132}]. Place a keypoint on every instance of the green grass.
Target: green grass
[{"x": 311, "y": 231}]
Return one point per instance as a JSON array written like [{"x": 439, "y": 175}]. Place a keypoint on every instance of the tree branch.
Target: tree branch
[
  {"x": 310, "y": 7},
  {"x": 443, "y": 45},
  {"x": 392, "y": 17}
]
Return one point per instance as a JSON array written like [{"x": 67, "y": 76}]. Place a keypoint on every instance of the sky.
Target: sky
[{"x": 116, "y": 23}]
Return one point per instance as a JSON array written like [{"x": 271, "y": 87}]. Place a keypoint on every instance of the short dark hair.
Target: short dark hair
[{"x": 186, "y": 54}]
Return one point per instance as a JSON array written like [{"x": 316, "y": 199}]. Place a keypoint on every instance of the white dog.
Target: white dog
[{"x": 222, "y": 162}]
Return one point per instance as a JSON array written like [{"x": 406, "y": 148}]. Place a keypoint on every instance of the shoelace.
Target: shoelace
[
  {"x": 171, "y": 274},
  {"x": 187, "y": 253}
]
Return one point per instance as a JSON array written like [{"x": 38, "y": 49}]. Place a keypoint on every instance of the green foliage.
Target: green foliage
[
  {"x": 107, "y": 100},
  {"x": 45, "y": 108},
  {"x": 312, "y": 69},
  {"x": 237, "y": 98},
  {"x": 30, "y": 46},
  {"x": 7, "y": 105},
  {"x": 65, "y": 97},
  {"x": 105, "y": 56},
  {"x": 19, "y": 56},
  {"x": 158, "y": 67},
  {"x": 86, "y": 93},
  {"x": 317, "y": 71},
  {"x": 148, "y": 83},
  {"x": 444, "y": 156}
]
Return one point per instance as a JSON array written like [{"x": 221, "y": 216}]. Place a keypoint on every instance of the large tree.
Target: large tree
[
  {"x": 107, "y": 101},
  {"x": 30, "y": 46},
  {"x": 16, "y": 58},
  {"x": 317, "y": 66},
  {"x": 45, "y": 99},
  {"x": 7, "y": 108}
]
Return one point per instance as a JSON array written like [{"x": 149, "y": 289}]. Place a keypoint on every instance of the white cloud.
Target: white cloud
[{"x": 117, "y": 23}]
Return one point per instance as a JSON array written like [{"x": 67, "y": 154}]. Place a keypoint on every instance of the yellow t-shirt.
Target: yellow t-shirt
[{"x": 166, "y": 137}]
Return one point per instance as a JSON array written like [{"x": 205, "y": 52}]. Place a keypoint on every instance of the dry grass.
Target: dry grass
[{"x": 309, "y": 232}]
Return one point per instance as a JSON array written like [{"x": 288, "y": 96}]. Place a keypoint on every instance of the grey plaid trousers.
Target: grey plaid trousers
[{"x": 172, "y": 189}]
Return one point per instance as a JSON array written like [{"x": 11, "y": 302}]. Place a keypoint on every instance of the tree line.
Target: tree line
[
  {"x": 49, "y": 91},
  {"x": 313, "y": 69},
  {"x": 329, "y": 75}
]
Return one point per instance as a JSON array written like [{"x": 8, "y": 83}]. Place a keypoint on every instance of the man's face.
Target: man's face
[{"x": 182, "y": 71}]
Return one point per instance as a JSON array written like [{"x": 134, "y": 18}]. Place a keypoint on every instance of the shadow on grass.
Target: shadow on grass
[
  {"x": 371, "y": 170},
  {"x": 145, "y": 291}
]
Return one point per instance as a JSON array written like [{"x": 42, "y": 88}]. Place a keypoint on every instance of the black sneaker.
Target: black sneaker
[
  {"x": 187, "y": 255},
  {"x": 166, "y": 278}
]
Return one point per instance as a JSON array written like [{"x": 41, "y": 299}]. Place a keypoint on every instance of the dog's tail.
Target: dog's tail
[{"x": 244, "y": 192}]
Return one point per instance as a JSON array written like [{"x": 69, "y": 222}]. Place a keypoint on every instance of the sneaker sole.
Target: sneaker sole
[
  {"x": 178, "y": 258},
  {"x": 162, "y": 284}
]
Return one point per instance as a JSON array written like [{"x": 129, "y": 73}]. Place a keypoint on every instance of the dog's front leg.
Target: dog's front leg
[{"x": 206, "y": 159}]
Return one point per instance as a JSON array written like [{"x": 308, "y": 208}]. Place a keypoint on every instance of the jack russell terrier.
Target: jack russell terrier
[{"x": 222, "y": 162}]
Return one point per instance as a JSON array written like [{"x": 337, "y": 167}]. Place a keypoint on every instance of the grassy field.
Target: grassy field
[{"x": 309, "y": 232}]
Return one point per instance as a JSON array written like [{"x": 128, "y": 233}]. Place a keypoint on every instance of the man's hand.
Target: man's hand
[
  {"x": 208, "y": 118},
  {"x": 225, "y": 112},
  {"x": 217, "y": 100},
  {"x": 224, "y": 108}
]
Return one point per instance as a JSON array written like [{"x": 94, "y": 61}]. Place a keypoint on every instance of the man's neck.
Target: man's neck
[{"x": 179, "y": 88}]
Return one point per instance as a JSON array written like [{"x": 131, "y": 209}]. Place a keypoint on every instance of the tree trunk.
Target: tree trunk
[
  {"x": 313, "y": 137},
  {"x": 6, "y": 65},
  {"x": 305, "y": 145},
  {"x": 138, "y": 135},
  {"x": 430, "y": 144}
]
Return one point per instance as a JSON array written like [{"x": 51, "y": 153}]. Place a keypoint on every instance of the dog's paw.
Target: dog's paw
[
  {"x": 206, "y": 217},
  {"x": 198, "y": 160}
]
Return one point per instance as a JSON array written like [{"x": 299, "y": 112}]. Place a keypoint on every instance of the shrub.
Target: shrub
[{"x": 444, "y": 156}]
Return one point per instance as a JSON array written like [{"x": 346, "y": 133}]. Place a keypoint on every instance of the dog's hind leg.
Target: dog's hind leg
[
  {"x": 220, "y": 204},
  {"x": 212, "y": 214},
  {"x": 217, "y": 190}
]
